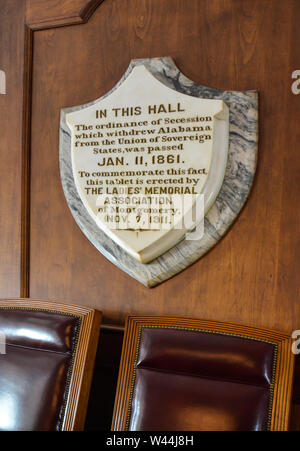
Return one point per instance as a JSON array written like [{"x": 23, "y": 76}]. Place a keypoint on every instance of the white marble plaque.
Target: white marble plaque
[
  {"x": 142, "y": 165},
  {"x": 142, "y": 155}
]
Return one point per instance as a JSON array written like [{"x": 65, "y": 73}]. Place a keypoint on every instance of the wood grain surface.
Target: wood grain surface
[
  {"x": 251, "y": 276},
  {"x": 12, "y": 32}
]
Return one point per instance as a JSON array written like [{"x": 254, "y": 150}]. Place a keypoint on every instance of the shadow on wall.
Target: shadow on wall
[{"x": 102, "y": 396}]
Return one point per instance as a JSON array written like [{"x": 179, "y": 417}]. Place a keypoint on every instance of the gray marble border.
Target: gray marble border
[{"x": 241, "y": 166}]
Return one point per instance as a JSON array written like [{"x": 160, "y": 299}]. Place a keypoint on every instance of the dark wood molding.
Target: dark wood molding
[
  {"x": 82, "y": 373},
  {"x": 25, "y": 184},
  {"x": 41, "y": 15},
  {"x": 112, "y": 328},
  {"x": 284, "y": 369}
]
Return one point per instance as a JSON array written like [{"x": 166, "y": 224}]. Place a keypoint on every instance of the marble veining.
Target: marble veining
[{"x": 241, "y": 166}]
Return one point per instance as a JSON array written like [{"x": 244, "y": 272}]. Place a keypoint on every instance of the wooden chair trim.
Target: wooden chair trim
[
  {"x": 281, "y": 387},
  {"x": 78, "y": 386}
]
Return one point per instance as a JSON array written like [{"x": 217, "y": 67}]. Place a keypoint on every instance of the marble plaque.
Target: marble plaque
[{"x": 145, "y": 163}]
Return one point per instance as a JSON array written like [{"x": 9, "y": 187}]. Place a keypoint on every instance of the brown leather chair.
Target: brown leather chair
[
  {"x": 46, "y": 370},
  {"x": 188, "y": 374}
]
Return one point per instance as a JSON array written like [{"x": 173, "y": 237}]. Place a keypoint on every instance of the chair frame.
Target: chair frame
[
  {"x": 83, "y": 361},
  {"x": 281, "y": 389}
]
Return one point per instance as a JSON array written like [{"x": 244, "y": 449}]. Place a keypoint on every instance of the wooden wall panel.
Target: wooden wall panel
[
  {"x": 12, "y": 30},
  {"x": 251, "y": 276}
]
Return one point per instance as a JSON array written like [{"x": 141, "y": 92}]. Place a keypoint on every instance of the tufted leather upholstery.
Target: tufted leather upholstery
[
  {"x": 188, "y": 379},
  {"x": 36, "y": 369}
]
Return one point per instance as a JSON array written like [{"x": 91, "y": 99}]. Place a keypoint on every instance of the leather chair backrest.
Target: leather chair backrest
[
  {"x": 41, "y": 349},
  {"x": 197, "y": 377}
]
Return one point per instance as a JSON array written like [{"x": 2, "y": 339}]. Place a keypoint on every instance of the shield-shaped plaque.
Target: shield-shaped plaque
[{"x": 142, "y": 165}]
